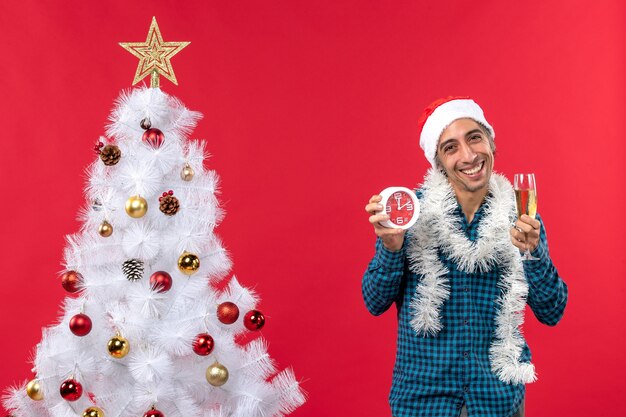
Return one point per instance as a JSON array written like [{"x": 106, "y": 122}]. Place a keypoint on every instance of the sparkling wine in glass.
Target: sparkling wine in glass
[{"x": 526, "y": 198}]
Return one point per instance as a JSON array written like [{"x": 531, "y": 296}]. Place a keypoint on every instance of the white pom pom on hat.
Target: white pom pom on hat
[{"x": 440, "y": 114}]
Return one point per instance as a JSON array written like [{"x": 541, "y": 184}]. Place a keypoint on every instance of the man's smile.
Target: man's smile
[{"x": 474, "y": 171}]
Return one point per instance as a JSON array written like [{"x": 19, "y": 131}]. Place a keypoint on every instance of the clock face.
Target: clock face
[{"x": 400, "y": 208}]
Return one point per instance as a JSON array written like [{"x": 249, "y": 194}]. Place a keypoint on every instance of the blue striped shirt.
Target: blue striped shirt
[{"x": 435, "y": 376}]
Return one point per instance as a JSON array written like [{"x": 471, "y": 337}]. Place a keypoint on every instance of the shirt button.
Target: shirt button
[
  {"x": 465, "y": 354},
  {"x": 466, "y": 322},
  {"x": 465, "y": 388}
]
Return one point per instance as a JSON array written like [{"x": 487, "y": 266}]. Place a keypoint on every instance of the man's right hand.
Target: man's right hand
[{"x": 392, "y": 238}]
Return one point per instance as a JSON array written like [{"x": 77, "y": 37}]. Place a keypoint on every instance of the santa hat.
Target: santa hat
[{"x": 440, "y": 114}]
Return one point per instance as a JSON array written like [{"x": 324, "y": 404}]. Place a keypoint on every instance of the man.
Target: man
[{"x": 458, "y": 280}]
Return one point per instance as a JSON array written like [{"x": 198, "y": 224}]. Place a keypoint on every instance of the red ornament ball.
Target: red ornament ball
[
  {"x": 227, "y": 312},
  {"x": 80, "y": 324},
  {"x": 71, "y": 390},
  {"x": 153, "y": 413},
  {"x": 203, "y": 344},
  {"x": 154, "y": 137},
  {"x": 161, "y": 281},
  {"x": 254, "y": 320},
  {"x": 71, "y": 281}
]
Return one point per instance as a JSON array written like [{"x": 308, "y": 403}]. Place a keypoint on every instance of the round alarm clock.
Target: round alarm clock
[{"x": 402, "y": 207}]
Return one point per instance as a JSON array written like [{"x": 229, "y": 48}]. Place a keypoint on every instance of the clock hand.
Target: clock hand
[{"x": 408, "y": 204}]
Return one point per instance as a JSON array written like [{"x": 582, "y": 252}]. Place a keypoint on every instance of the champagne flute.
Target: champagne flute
[{"x": 526, "y": 198}]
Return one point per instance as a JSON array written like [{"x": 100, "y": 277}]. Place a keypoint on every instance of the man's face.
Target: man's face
[{"x": 465, "y": 154}]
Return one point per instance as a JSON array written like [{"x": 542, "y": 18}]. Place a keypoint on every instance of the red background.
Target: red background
[{"x": 310, "y": 108}]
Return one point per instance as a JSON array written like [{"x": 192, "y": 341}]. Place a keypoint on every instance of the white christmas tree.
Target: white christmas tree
[{"x": 145, "y": 332}]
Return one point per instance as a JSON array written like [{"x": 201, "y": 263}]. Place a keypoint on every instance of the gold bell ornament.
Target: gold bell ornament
[
  {"x": 217, "y": 374},
  {"x": 34, "y": 391},
  {"x": 136, "y": 206},
  {"x": 105, "y": 229},
  {"x": 187, "y": 173},
  {"x": 93, "y": 412},
  {"x": 118, "y": 347},
  {"x": 188, "y": 263}
]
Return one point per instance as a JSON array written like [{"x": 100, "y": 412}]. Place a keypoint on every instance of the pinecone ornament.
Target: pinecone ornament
[
  {"x": 133, "y": 269},
  {"x": 168, "y": 204},
  {"x": 110, "y": 155}
]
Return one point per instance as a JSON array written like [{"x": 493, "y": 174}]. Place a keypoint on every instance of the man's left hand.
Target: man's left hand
[{"x": 525, "y": 233}]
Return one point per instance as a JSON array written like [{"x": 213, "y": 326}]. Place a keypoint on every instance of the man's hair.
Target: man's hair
[{"x": 487, "y": 133}]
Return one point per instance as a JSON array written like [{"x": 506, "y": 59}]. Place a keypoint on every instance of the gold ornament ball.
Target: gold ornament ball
[
  {"x": 118, "y": 347},
  {"x": 217, "y": 374},
  {"x": 33, "y": 389},
  {"x": 187, "y": 173},
  {"x": 93, "y": 412},
  {"x": 188, "y": 263},
  {"x": 105, "y": 229},
  {"x": 136, "y": 206}
]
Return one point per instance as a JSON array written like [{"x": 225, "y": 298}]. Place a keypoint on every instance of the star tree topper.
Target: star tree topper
[{"x": 154, "y": 56}]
